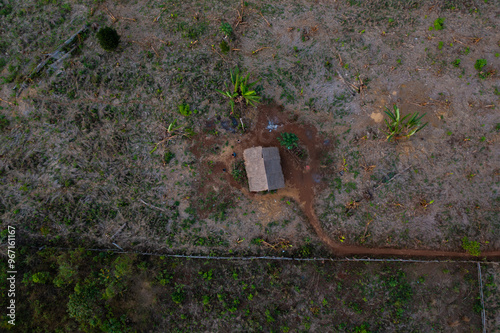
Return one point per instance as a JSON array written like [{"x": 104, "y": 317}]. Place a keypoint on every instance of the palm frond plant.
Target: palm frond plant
[
  {"x": 397, "y": 128},
  {"x": 241, "y": 90}
]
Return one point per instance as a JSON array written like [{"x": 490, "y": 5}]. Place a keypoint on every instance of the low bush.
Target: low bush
[{"x": 108, "y": 38}]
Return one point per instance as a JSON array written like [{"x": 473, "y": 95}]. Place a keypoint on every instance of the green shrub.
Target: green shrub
[
  {"x": 472, "y": 247},
  {"x": 224, "y": 47},
  {"x": 84, "y": 305},
  {"x": 108, "y": 38},
  {"x": 164, "y": 277},
  {"x": 289, "y": 140},
  {"x": 239, "y": 172},
  {"x": 480, "y": 63},
  {"x": 5, "y": 9},
  {"x": 206, "y": 275},
  {"x": 305, "y": 250},
  {"x": 123, "y": 266},
  {"x": 4, "y": 122},
  {"x": 456, "y": 62},
  {"x": 179, "y": 294},
  {"x": 256, "y": 241},
  {"x": 40, "y": 277},
  {"x": 65, "y": 275},
  {"x": 226, "y": 28},
  {"x": 169, "y": 156},
  {"x": 185, "y": 110},
  {"x": 439, "y": 24}
]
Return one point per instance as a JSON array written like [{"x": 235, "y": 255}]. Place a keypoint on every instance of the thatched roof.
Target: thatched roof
[{"x": 263, "y": 169}]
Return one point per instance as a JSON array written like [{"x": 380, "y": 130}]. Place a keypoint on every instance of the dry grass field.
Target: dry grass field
[{"x": 137, "y": 149}]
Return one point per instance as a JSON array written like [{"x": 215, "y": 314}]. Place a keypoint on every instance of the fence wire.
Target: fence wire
[{"x": 250, "y": 258}]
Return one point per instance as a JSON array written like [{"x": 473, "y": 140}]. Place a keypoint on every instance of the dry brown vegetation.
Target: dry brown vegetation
[{"x": 135, "y": 147}]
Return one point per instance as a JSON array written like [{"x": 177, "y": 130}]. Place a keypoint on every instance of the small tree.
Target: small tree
[{"x": 108, "y": 38}]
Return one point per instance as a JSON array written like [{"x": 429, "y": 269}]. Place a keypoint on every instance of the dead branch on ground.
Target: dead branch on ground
[{"x": 279, "y": 245}]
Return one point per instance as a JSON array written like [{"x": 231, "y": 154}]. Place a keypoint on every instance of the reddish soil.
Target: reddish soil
[{"x": 302, "y": 177}]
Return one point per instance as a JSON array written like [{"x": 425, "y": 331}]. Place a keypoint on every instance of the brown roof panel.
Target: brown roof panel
[
  {"x": 263, "y": 166},
  {"x": 256, "y": 171}
]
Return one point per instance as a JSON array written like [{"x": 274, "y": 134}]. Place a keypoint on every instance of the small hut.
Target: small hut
[{"x": 263, "y": 166}]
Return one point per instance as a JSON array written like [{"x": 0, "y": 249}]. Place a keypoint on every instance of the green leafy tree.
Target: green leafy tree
[
  {"x": 84, "y": 304},
  {"x": 40, "y": 277}
]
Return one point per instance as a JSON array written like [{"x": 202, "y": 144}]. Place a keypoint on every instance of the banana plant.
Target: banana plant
[{"x": 241, "y": 90}]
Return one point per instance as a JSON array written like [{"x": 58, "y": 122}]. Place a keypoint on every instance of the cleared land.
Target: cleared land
[
  {"x": 76, "y": 144},
  {"x": 137, "y": 149}
]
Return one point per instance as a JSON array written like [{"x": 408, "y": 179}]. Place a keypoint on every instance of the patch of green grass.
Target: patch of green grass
[
  {"x": 5, "y": 9},
  {"x": 438, "y": 24},
  {"x": 239, "y": 173},
  {"x": 224, "y": 47},
  {"x": 185, "y": 110},
  {"x": 193, "y": 31},
  {"x": 350, "y": 186},
  {"x": 4, "y": 122},
  {"x": 169, "y": 156},
  {"x": 480, "y": 63},
  {"x": 472, "y": 247},
  {"x": 226, "y": 29}
]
